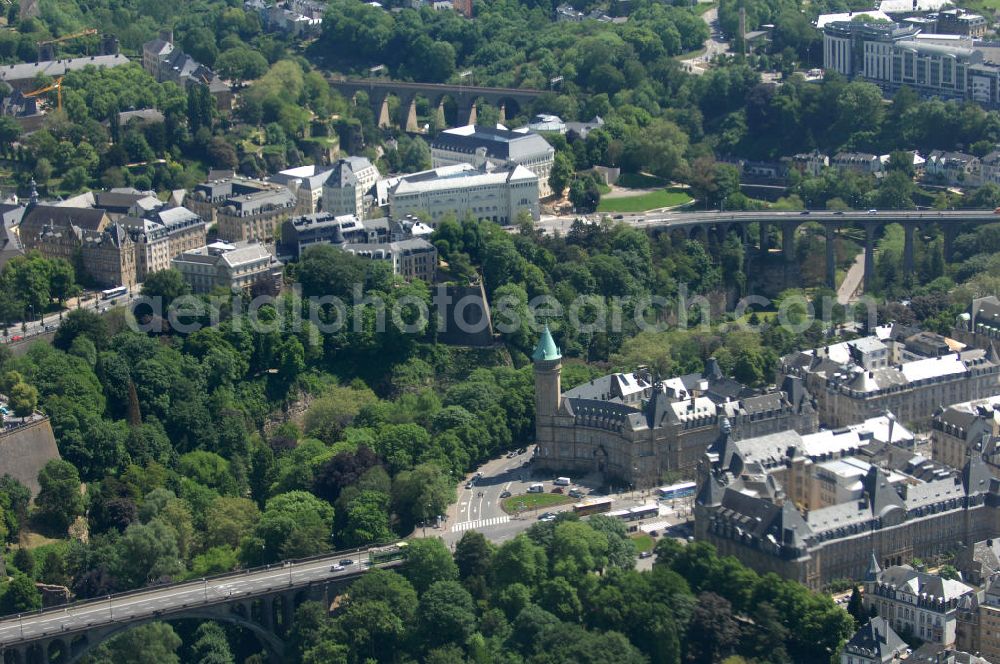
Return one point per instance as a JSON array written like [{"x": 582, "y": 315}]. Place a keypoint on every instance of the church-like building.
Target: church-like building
[{"x": 632, "y": 428}]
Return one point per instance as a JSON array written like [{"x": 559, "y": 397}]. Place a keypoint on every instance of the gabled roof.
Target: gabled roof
[
  {"x": 876, "y": 641},
  {"x": 85, "y": 218}
]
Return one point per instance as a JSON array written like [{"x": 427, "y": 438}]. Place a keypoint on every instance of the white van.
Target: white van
[
  {"x": 562, "y": 481},
  {"x": 537, "y": 487}
]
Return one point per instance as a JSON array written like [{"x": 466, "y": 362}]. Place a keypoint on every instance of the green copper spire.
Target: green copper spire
[{"x": 546, "y": 350}]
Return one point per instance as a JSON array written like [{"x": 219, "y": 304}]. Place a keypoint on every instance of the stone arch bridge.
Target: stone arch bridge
[
  {"x": 715, "y": 226},
  {"x": 465, "y": 97},
  {"x": 261, "y": 601}
]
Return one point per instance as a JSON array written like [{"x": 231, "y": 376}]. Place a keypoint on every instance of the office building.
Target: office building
[
  {"x": 628, "y": 428},
  {"x": 23, "y": 77},
  {"x": 349, "y": 187},
  {"x": 906, "y": 507},
  {"x": 462, "y": 190},
  {"x": 892, "y": 55},
  {"x": 255, "y": 216},
  {"x": 242, "y": 266},
  {"x": 500, "y": 148},
  {"x": 306, "y": 184},
  {"x": 854, "y": 380},
  {"x": 415, "y": 258}
]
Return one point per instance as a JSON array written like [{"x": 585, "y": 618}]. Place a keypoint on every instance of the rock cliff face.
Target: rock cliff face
[{"x": 25, "y": 449}]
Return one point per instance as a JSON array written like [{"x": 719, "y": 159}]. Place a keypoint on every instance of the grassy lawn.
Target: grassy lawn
[
  {"x": 603, "y": 188},
  {"x": 650, "y": 201},
  {"x": 533, "y": 501},
  {"x": 643, "y": 542},
  {"x": 639, "y": 181}
]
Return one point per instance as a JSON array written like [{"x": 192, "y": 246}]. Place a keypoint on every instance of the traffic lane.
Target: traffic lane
[
  {"x": 173, "y": 598},
  {"x": 481, "y": 501}
]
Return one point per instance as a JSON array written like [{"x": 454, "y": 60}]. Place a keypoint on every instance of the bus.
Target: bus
[
  {"x": 112, "y": 293},
  {"x": 644, "y": 512},
  {"x": 598, "y": 506},
  {"x": 682, "y": 490},
  {"x": 384, "y": 554}
]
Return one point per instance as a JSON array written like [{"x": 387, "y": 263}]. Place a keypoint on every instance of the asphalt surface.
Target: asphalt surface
[
  {"x": 50, "y": 322},
  {"x": 174, "y": 598},
  {"x": 714, "y": 45},
  {"x": 550, "y": 224}
]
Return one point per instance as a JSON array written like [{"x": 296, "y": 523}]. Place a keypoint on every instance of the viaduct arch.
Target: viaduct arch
[{"x": 465, "y": 97}]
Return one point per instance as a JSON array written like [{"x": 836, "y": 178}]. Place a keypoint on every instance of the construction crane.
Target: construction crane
[
  {"x": 57, "y": 86},
  {"x": 74, "y": 35}
]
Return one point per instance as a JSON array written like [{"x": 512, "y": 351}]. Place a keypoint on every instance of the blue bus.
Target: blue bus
[{"x": 674, "y": 491}]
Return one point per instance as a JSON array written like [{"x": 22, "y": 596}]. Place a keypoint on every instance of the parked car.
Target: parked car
[
  {"x": 17, "y": 337},
  {"x": 646, "y": 554},
  {"x": 505, "y": 494},
  {"x": 547, "y": 516},
  {"x": 469, "y": 485},
  {"x": 575, "y": 493},
  {"x": 557, "y": 489}
]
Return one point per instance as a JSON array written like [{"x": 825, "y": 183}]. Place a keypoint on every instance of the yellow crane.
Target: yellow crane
[
  {"x": 74, "y": 35},
  {"x": 57, "y": 86}
]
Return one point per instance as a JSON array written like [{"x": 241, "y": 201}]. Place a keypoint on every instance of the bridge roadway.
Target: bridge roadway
[
  {"x": 175, "y": 600},
  {"x": 719, "y": 223}
]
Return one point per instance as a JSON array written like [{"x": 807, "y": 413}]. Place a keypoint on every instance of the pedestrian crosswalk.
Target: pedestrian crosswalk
[{"x": 481, "y": 523}]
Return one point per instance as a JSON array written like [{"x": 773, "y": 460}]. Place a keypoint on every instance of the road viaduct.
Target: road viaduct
[
  {"x": 261, "y": 600},
  {"x": 717, "y": 225}
]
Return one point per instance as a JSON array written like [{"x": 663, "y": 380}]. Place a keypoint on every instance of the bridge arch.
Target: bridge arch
[{"x": 267, "y": 638}]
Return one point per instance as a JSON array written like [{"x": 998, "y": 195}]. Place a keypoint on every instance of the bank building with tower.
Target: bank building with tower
[{"x": 632, "y": 428}]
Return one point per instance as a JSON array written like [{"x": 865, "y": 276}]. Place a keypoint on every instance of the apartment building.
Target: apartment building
[
  {"x": 913, "y": 602},
  {"x": 165, "y": 62},
  {"x": 956, "y": 168}
]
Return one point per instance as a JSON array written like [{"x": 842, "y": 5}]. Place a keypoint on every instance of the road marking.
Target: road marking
[{"x": 481, "y": 523}]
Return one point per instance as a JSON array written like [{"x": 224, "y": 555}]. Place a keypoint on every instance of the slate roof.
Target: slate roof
[
  {"x": 502, "y": 144},
  {"x": 41, "y": 215},
  {"x": 55, "y": 68},
  {"x": 876, "y": 641}
]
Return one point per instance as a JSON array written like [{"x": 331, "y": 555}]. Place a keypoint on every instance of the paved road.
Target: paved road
[
  {"x": 549, "y": 224},
  {"x": 174, "y": 598},
  {"x": 714, "y": 45},
  {"x": 50, "y": 322},
  {"x": 851, "y": 285}
]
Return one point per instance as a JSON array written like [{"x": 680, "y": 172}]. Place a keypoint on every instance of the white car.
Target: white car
[{"x": 337, "y": 568}]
